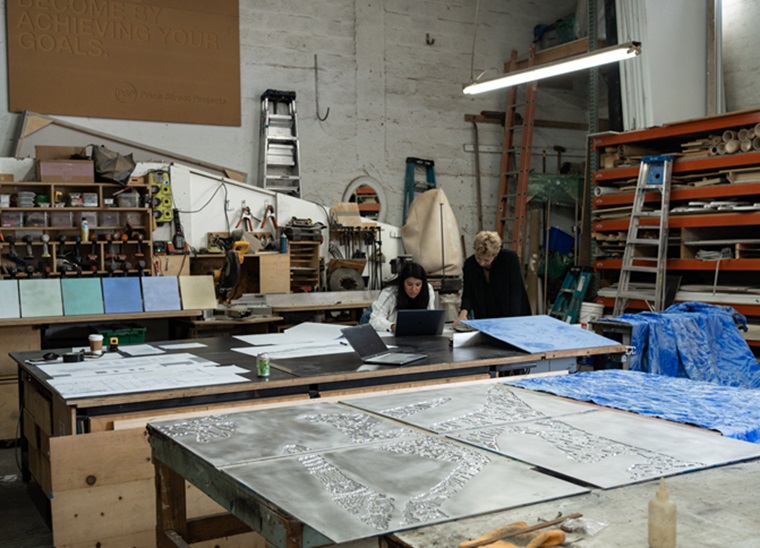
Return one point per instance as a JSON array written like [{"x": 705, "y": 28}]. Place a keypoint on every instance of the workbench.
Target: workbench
[
  {"x": 88, "y": 458},
  {"x": 332, "y": 306},
  {"x": 724, "y": 494},
  {"x": 219, "y": 324}
]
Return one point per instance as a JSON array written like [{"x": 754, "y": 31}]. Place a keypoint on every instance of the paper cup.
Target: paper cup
[{"x": 96, "y": 343}]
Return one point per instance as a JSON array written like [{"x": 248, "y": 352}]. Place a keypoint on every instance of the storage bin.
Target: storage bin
[
  {"x": 130, "y": 198},
  {"x": 127, "y": 333},
  {"x": 36, "y": 218},
  {"x": 61, "y": 219},
  {"x": 134, "y": 218},
  {"x": 561, "y": 241},
  {"x": 90, "y": 199},
  {"x": 12, "y": 218},
  {"x": 90, "y": 216},
  {"x": 109, "y": 218}
]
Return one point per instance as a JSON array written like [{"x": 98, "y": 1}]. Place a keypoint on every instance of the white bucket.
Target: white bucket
[{"x": 590, "y": 312}]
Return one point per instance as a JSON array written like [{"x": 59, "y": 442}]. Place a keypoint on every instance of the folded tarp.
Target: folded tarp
[
  {"x": 734, "y": 412},
  {"x": 695, "y": 340}
]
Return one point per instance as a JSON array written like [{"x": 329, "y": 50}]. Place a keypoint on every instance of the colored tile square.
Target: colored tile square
[
  {"x": 9, "y": 302},
  {"x": 40, "y": 298},
  {"x": 122, "y": 295},
  {"x": 82, "y": 296},
  {"x": 160, "y": 293},
  {"x": 197, "y": 292}
]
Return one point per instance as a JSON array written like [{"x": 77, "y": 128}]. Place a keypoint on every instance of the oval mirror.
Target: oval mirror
[{"x": 368, "y": 193}]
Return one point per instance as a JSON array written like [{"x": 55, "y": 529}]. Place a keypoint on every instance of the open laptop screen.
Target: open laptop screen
[{"x": 419, "y": 322}]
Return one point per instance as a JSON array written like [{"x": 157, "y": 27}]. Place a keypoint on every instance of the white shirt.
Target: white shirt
[{"x": 385, "y": 307}]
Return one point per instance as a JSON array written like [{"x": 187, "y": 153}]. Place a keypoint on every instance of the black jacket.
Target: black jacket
[{"x": 504, "y": 295}]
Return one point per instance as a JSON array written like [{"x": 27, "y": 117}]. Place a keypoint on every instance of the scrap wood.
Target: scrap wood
[{"x": 510, "y": 531}]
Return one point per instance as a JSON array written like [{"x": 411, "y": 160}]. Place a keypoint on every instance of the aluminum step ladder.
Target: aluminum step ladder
[
  {"x": 279, "y": 157},
  {"x": 411, "y": 185},
  {"x": 646, "y": 247},
  {"x": 567, "y": 305}
]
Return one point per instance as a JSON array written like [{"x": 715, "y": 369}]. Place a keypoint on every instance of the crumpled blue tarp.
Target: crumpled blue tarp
[
  {"x": 696, "y": 340},
  {"x": 734, "y": 412}
]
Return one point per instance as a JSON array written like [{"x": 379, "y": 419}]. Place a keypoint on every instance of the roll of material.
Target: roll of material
[{"x": 604, "y": 190}]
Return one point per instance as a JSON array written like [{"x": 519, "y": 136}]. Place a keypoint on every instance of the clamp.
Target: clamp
[
  {"x": 269, "y": 216},
  {"x": 246, "y": 218}
]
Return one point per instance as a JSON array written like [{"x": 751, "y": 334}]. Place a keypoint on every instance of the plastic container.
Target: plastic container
[
  {"x": 12, "y": 218},
  {"x": 662, "y": 519},
  {"x": 560, "y": 241},
  {"x": 109, "y": 218},
  {"x": 61, "y": 219},
  {"x": 90, "y": 199},
  {"x": 128, "y": 199},
  {"x": 590, "y": 312},
  {"x": 90, "y": 216},
  {"x": 36, "y": 218},
  {"x": 134, "y": 218},
  {"x": 127, "y": 334}
]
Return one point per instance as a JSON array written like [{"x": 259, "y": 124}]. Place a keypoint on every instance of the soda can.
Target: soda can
[{"x": 262, "y": 365}]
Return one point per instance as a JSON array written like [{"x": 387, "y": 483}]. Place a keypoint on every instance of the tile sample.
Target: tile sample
[
  {"x": 82, "y": 296},
  {"x": 122, "y": 295},
  {"x": 40, "y": 298},
  {"x": 160, "y": 293}
]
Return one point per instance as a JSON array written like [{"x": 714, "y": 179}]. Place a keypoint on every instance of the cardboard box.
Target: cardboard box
[
  {"x": 47, "y": 152},
  {"x": 66, "y": 171},
  {"x": 6, "y": 177}
]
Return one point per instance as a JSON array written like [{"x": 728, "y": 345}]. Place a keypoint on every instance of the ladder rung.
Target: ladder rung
[
  {"x": 280, "y": 117},
  {"x": 643, "y": 241},
  {"x": 646, "y": 214},
  {"x": 647, "y": 296},
  {"x": 650, "y": 269}
]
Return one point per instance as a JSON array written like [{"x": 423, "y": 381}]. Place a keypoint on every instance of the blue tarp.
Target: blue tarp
[
  {"x": 695, "y": 340},
  {"x": 734, "y": 412}
]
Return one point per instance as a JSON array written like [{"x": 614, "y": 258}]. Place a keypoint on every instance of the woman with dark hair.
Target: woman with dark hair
[{"x": 409, "y": 290}]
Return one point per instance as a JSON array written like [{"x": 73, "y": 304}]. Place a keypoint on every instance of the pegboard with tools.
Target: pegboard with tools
[{"x": 161, "y": 193}]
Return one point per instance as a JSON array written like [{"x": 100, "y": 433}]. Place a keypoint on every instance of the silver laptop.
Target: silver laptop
[
  {"x": 419, "y": 323},
  {"x": 371, "y": 349}
]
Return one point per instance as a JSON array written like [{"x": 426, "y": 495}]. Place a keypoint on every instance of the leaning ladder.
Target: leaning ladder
[
  {"x": 515, "y": 162},
  {"x": 279, "y": 158},
  {"x": 655, "y": 174},
  {"x": 411, "y": 185}
]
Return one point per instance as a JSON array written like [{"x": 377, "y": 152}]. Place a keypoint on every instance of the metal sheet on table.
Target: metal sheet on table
[
  {"x": 258, "y": 434},
  {"x": 160, "y": 293},
  {"x": 359, "y": 492},
  {"x": 609, "y": 449},
  {"x": 457, "y": 407},
  {"x": 537, "y": 334}
]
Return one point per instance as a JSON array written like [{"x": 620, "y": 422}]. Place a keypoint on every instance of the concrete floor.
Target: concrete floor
[{"x": 21, "y": 525}]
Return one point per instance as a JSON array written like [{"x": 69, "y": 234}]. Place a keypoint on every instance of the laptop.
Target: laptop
[
  {"x": 419, "y": 322},
  {"x": 371, "y": 349}
]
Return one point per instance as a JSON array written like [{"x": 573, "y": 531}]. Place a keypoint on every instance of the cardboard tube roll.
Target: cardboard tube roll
[{"x": 732, "y": 146}]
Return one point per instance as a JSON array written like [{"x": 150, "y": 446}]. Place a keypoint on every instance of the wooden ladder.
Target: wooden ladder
[{"x": 515, "y": 162}]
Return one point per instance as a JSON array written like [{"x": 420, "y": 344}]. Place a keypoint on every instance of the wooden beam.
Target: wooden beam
[{"x": 562, "y": 51}]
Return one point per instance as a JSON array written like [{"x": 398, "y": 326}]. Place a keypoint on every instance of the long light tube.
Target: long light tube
[{"x": 572, "y": 64}]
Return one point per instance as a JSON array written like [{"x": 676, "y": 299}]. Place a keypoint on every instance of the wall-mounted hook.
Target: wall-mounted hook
[
  {"x": 316, "y": 91},
  {"x": 429, "y": 41}
]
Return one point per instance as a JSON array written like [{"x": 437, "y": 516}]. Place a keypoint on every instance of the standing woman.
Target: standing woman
[
  {"x": 409, "y": 290},
  {"x": 493, "y": 282}
]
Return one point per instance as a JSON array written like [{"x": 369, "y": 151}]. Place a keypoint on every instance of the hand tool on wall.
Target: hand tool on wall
[
  {"x": 139, "y": 252},
  {"x": 93, "y": 255},
  {"x": 246, "y": 219},
  {"x": 29, "y": 251},
  {"x": 78, "y": 250},
  {"x": 12, "y": 255},
  {"x": 124, "y": 237},
  {"x": 45, "y": 250}
]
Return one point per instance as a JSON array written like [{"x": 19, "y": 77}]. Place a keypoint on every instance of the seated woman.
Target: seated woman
[{"x": 409, "y": 290}]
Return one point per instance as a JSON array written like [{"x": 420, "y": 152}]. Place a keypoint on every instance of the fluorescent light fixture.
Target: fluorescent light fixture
[{"x": 571, "y": 64}]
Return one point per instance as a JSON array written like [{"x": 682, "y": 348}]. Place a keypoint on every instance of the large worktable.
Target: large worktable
[{"x": 89, "y": 458}]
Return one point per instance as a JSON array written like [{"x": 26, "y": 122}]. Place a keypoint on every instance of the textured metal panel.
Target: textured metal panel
[
  {"x": 609, "y": 449},
  {"x": 265, "y": 433},
  {"x": 458, "y": 407},
  {"x": 354, "y": 493}
]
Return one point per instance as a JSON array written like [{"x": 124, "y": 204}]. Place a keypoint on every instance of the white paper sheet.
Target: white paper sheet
[
  {"x": 284, "y": 351},
  {"x": 140, "y": 350}
]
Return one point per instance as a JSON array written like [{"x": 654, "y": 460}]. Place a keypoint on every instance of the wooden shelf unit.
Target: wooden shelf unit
[
  {"x": 54, "y": 224},
  {"x": 304, "y": 265},
  {"x": 692, "y": 230}
]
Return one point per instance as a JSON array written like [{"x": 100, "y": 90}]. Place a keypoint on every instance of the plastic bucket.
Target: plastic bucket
[{"x": 590, "y": 312}]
